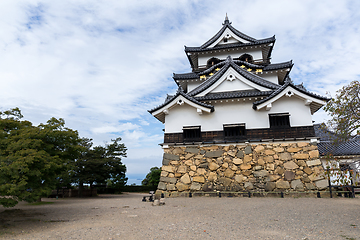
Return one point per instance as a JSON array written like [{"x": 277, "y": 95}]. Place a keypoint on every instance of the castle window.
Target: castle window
[
  {"x": 192, "y": 133},
  {"x": 212, "y": 61},
  {"x": 234, "y": 130},
  {"x": 281, "y": 120},
  {"x": 246, "y": 58}
]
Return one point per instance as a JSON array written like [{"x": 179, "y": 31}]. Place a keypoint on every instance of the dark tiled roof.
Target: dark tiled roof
[
  {"x": 232, "y": 45},
  {"x": 351, "y": 147},
  {"x": 234, "y": 94},
  {"x": 276, "y": 66},
  {"x": 227, "y": 24},
  {"x": 288, "y": 82},
  {"x": 185, "y": 76},
  {"x": 323, "y": 133},
  {"x": 226, "y": 64},
  {"x": 192, "y": 75},
  {"x": 181, "y": 92}
]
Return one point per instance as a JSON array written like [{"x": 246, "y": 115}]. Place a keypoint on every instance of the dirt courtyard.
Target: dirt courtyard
[{"x": 125, "y": 216}]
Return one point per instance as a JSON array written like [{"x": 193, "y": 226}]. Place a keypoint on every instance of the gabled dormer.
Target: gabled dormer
[{"x": 230, "y": 41}]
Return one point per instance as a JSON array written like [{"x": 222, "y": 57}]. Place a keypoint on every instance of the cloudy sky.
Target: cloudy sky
[{"x": 101, "y": 64}]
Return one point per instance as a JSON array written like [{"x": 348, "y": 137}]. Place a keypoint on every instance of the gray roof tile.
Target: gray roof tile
[
  {"x": 234, "y": 94},
  {"x": 226, "y": 64}
]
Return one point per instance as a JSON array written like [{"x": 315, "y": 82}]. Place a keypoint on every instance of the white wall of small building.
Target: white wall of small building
[
  {"x": 236, "y": 112},
  {"x": 271, "y": 77}
]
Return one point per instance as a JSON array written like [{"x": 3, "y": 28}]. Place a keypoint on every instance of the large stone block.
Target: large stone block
[
  {"x": 213, "y": 166},
  {"x": 314, "y": 154},
  {"x": 285, "y": 156},
  {"x": 166, "y": 162},
  {"x": 195, "y": 186},
  {"x": 272, "y": 178},
  {"x": 259, "y": 148},
  {"x": 240, "y": 154},
  {"x": 178, "y": 151},
  {"x": 235, "y": 187},
  {"x": 297, "y": 185},
  {"x": 293, "y": 149},
  {"x": 279, "y": 149},
  {"x": 261, "y": 173},
  {"x": 248, "y": 150},
  {"x": 192, "y": 150},
  {"x": 269, "y": 152},
  {"x": 200, "y": 179},
  {"x": 185, "y": 179},
  {"x": 189, "y": 155},
  {"x": 281, "y": 184},
  {"x": 322, "y": 184},
  {"x": 182, "y": 169},
  {"x": 239, "y": 178},
  {"x": 168, "y": 168},
  {"x": 228, "y": 173},
  {"x": 170, "y": 187},
  {"x": 290, "y": 165},
  {"x": 225, "y": 181},
  {"x": 167, "y": 179},
  {"x": 214, "y": 154},
  {"x": 248, "y": 186},
  {"x": 302, "y": 144},
  {"x": 171, "y": 156},
  {"x": 310, "y": 186},
  {"x": 313, "y": 162},
  {"x": 269, "y": 186},
  {"x": 162, "y": 186},
  {"x": 301, "y": 156},
  {"x": 212, "y": 177},
  {"x": 237, "y": 161},
  {"x": 181, "y": 187},
  {"x": 289, "y": 175},
  {"x": 207, "y": 187},
  {"x": 203, "y": 165},
  {"x": 245, "y": 166}
]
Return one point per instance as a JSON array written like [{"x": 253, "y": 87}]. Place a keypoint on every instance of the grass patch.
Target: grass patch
[{"x": 40, "y": 203}]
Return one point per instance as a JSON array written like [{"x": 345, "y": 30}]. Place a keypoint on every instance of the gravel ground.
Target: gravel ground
[{"x": 126, "y": 217}]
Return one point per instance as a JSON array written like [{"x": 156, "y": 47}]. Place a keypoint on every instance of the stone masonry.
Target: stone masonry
[{"x": 260, "y": 167}]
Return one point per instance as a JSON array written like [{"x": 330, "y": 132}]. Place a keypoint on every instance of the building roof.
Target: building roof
[
  {"x": 170, "y": 102},
  {"x": 231, "y": 45},
  {"x": 227, "y": 24},
  {"x": 224, "y": 66},
  {"x": 269, "y": 67},
  {"x": 300, "y": 88},
  {"x": 234, "y": 94},
  {"x": 351, "y": 147},
  {"x": 330, "y": 143}
]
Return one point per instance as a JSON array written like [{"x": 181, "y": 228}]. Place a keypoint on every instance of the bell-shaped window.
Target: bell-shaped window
[
  {"x": 212, "y": 61},
  {"x": 246, "y": 58}
]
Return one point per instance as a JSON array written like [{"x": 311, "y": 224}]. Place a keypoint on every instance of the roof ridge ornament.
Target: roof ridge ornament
[{"x": 226, "y": 20}]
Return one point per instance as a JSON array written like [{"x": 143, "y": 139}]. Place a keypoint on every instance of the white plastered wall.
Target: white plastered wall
[
  {"x": 272, "y": 77},
  {"x": 237, "y": 112}
]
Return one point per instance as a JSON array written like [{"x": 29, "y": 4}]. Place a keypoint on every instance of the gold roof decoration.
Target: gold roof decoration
[
  {"x": 242, "y": 66},
  {"x": 258, "y": 70},
  {"x": 202, "y": 76},
  {"x": 211, "y": 74},
  {"x": 217, "y": 69},
  {"x": 249, "y": 69}
]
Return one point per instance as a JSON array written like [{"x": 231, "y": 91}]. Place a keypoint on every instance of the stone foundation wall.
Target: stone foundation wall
[{"x": 256, "y": 167}]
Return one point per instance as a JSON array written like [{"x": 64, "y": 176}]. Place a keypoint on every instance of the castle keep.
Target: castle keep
[{"x": 237, "y": 122}]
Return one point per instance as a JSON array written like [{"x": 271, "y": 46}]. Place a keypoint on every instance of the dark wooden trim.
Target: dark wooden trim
[{"x": 251, "y": 134}]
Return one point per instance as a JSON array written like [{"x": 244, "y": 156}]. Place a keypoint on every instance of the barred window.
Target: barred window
[
  {"x": 280, "y": 120},
  {"x": 192, "y": 133},
  {"x": 234, "y": 130}
]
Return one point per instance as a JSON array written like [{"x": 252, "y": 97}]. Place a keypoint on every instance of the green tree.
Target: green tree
[
  {"x": 344, "y": 110},
  {"x": 152, "y": 178},
  {"x": 99, "y": 164},
  {"x": 33, "y": 159}
]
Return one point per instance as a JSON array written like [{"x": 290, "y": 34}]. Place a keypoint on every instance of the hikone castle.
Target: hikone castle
[{"x": 238, "y": 123}]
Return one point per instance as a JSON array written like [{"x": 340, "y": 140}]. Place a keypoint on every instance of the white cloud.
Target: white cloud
[{"x": 101, "y": 65}]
